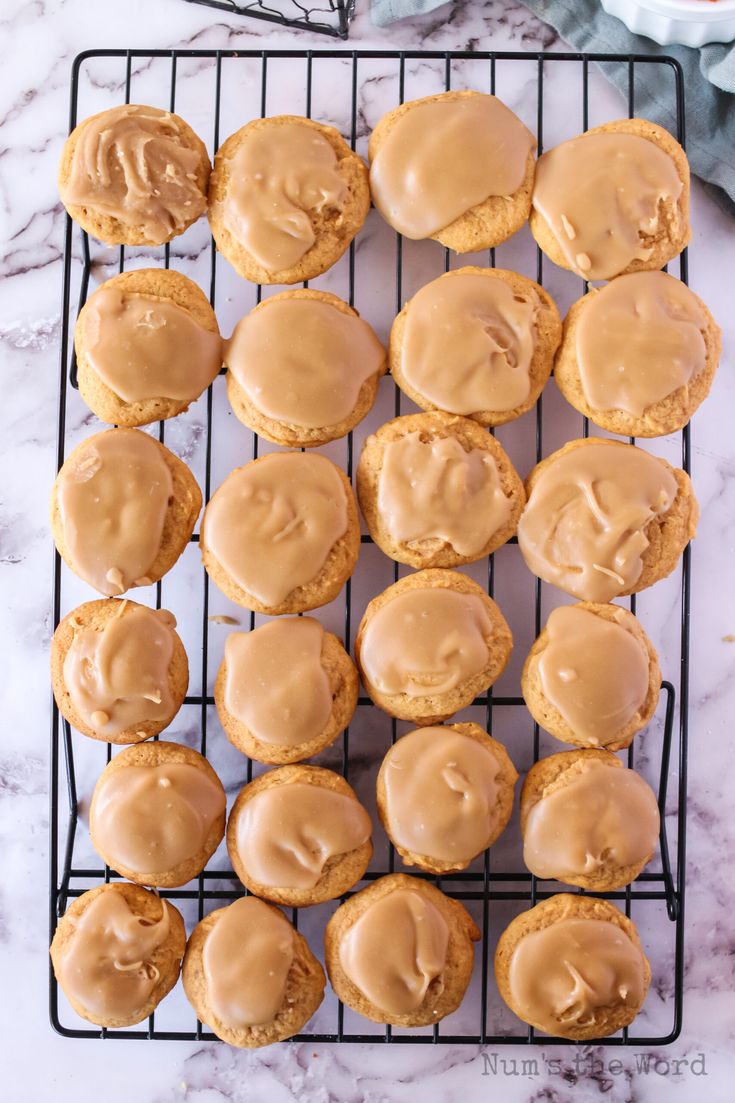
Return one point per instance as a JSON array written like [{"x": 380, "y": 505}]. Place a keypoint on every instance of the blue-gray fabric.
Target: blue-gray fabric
[{"x": 709, "y": 79}]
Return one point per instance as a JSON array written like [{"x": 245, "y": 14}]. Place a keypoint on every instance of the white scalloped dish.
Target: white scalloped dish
[{"x": 685, "y": 22}]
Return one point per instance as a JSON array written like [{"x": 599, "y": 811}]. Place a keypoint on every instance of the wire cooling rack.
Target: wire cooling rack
[
  {"x": 331, "y": 17},
  {"x": 217, "y": 92}
]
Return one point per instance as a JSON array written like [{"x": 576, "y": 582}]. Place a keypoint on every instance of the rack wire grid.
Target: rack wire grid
[
  {"x": 217, "y": 92},
  {"x": 330, "y": 17}
]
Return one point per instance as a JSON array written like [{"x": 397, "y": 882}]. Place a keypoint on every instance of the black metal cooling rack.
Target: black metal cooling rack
[
  {"x": 330, "y": 17},
  {"x": 487, "y": 888}
]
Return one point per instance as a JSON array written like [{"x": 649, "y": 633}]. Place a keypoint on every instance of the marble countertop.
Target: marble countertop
[{"x": 38, "y": 40}]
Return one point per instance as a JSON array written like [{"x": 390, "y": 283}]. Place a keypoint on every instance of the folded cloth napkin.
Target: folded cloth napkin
[{"x": 710, "y": 103}]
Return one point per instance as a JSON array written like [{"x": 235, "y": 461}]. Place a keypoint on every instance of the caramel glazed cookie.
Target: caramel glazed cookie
[
  {"x": 612, "y": 201},
  {"x": 400, "y": 952},
  {"x": 264, "y": 671},
  {"x": 117, "y": 952},
  {"x": 649, "y": 510},
  {"x": 437, "y": 490},
  {"x": 286, "y": 197},
  {"x": 401, "y": 649},
  {"x": 123, "y": 508},
  {"x": 299, "y": 836},
  {"x": 281, "y": 534},
  {"x": 250, "y": 976},
  {"x": 303, "y": 368},
  {"x": 456, "y": 167},
  {"x": 134, "y": 175},
  {"x": 573, "y": 967},
  {"x": 478, "y": 342},
  {"x": 157, "y": 814},
  {"x": 639, "y": 355},
  {"x": 119, "y": 670},
  {"x": 147, "y": 345}
]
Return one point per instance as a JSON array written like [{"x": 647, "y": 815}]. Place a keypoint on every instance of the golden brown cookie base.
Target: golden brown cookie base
[
  {"x": 667, "y": 416},
  {"x": 340, "y": 873},
  {"x": 181, "y": 516},
  {"x": 304, "y": 992},
  {"x": 548, "y": 716},
  {"x": 606, "y": 1020},
  {"x": 162, "y": 285},
  {"x": 556, "y": 772},
  {"x": 507, "y": 777},
  {"x": 344, "y": 686},
  {"x": 158, "y": 754},
  {"x": 673, "y": 231},
  {"x": 166, "y": 959},
  {"x": 300, "y": 436},
  {"x": 333, "y": 230},
  {"x": 434, "y": 551},
  {"x": 667, "y": 536},
  {"x": 422, "y": 711},
  {"x": 548, "y": 336},
  {"x": 96, "y": 615},
  {"x": 444, "y": 994}
]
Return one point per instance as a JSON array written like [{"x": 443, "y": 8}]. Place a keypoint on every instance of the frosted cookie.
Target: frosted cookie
[
  {"x": 157, "y": 814},
  {"x": 303, "y": 368},
  {"x": 147, "y": 346},
  {"x": 592, "y": 677},
  {"x": 476, "y": 341},
  {"x": 119, "y": 670},
  {"x": 286, "y": 198},
  {"x": 281, "y": 534},
  {"x": 445, "y": 795},
  {"x": 265, "y": 671},
  {"x": 605, "y": 519},
  {"x": 299, "y": 836},
  {"x": 613, "y": 200},
  {"x": 117, "y": 952},
  {"x": 134, "y": 175},
  {"x": 587, "y": 820},
  {"x": 457, "y": 167},
  {"x": 573, "y": 967},
  {"x": 123, "y": 509},
  {"x": 400, "y": 952},
  {"x": 250, "y": 976},
  {"x": 639, "y": 355},
  {"x": 429, "y": 644},
  {"x": 437, "y": 490}
]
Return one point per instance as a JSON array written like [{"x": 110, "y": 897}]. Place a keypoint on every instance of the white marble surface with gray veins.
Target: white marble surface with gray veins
[{"x": 38, "y": 41}]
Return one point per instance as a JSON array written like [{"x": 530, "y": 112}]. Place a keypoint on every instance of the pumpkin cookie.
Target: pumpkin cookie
[
  {"x": 437, "y": 490},
  {"x": 400, "y": 952},
  {"x": 270, "y": 821},
  {"x": 119, "y": 671},
  {"x": 265, "y": 671},
  {"x": 639, "y": 355},
  {"x": 157, "y": 814},
  {"x": 605, "y": 519},
  {"x": 117, "y": 952},
  {"x": 250, "y": 976},
  {"x": 303, "y": 368},
  {"x": 613, "y": 200},
  {"x": 134, "y": 175},
  {"x": 147, "y": 345},
  {"x": 445, "y": 795},
  {"x": 401, "y": 649},
  {"x": 281, "y": 534},
  {"x": 123, "y": 509},
  {"x": 587, "y": 820},
  {"x": 592, "y": 677},
  {"x": 286, "y": 197},
  {"x": 573, "y": 967},
  {"x": 457, "y": 167}
]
